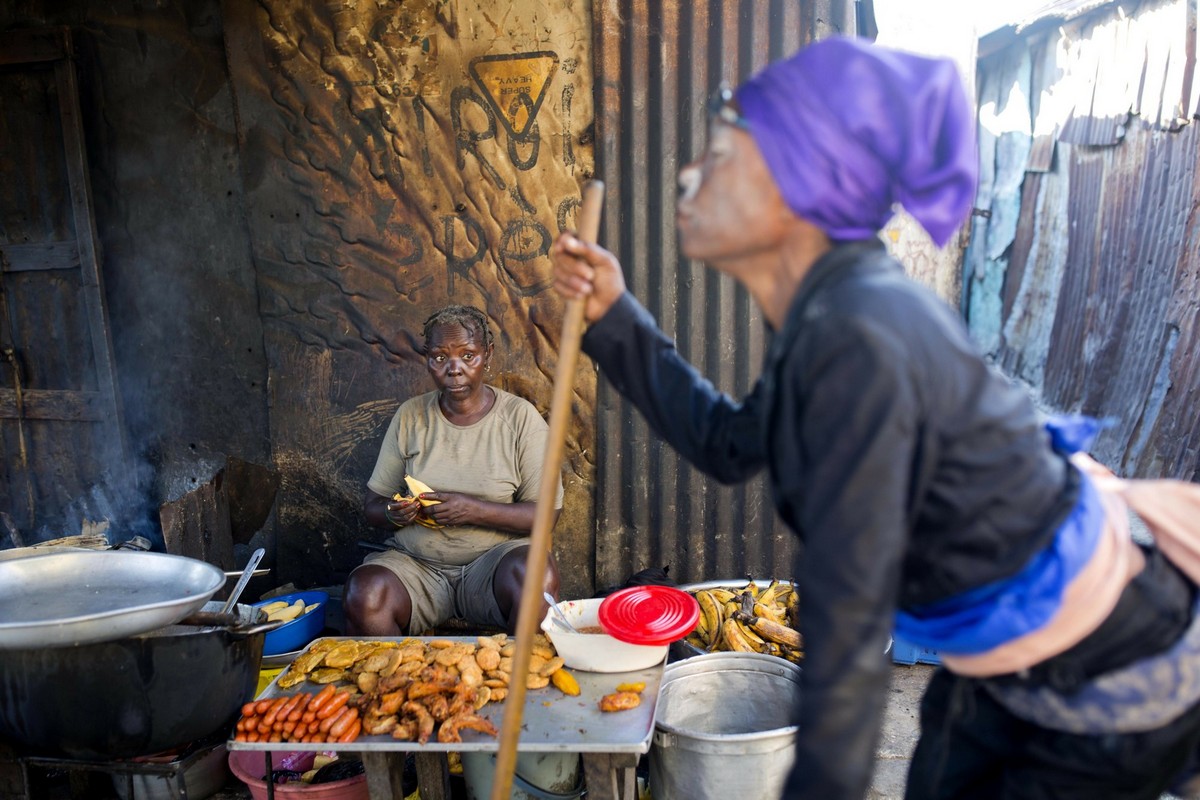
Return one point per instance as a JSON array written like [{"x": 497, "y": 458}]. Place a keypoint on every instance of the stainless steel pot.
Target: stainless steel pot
[{"x": 133, "y": 696}]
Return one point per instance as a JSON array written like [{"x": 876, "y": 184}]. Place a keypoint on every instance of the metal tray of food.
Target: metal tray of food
[
  {"x": 83, "y": 596},
  {"x": 550, "y": 720}
]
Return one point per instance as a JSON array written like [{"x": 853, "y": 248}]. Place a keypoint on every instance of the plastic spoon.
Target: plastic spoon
[{"x": 559, "y": 614}]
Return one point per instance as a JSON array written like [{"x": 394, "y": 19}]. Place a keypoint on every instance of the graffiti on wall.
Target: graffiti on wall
[{"x": 398, "y": 156}]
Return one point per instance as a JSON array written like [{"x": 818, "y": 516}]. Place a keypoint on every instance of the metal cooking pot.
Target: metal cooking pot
[{"x": 133, "y": 696}]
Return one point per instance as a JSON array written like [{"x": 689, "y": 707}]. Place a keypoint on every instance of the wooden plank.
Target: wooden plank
[
  {"x": 89, "y": 249},
  {"x": 197, "y": 524},
  {"x": 385, "y": 774},
  {"x": 31, "y": 47},
  {"x": 49, "y": 404},
  {"x": 433, "y": 775},
  {"x": 40, "y": 256}
]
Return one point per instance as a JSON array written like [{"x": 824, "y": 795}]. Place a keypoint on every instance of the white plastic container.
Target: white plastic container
[{"x": 596, "y": 652}]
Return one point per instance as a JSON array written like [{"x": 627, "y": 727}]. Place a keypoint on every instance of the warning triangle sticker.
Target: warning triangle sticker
[{"x": 515, "y": 84}]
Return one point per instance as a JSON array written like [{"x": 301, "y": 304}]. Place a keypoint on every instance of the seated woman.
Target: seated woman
[{"x": 481, "y": 450}]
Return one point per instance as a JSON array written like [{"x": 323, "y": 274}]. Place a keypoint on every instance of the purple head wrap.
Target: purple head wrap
[{"x": 849, "y": 128}]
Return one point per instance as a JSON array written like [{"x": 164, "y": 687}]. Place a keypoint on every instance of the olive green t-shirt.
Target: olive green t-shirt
[{"x": 498, "y": 458}]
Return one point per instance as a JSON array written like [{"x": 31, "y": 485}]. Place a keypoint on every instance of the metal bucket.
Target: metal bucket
[
  {"x": 723, "y": 727},
  {"x": 537, "y": 776}
]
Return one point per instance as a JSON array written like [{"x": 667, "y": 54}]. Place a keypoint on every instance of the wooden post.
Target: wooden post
[{"x": 539, "y": 540}]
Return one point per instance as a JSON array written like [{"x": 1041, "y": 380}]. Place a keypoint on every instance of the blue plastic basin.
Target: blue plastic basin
[{"x": 294, "y": 635}]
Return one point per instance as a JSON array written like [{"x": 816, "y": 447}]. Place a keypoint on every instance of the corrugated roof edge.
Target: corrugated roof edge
[{"x": 1048, "y": 16}]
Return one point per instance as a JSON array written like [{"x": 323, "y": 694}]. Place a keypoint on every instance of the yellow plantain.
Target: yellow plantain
[
  {"x": 705, "y": 624},
  {"x": 757, "y": 642},
  {"x": 733, "y": 638},
  {"x": 730, "y": 608},
  {"x": 770, "y": 595},
  {"x": 723, "y": 595},
  {"x": 710, "y": 615},
  {"x": 418, "y": 488},
  {"x": 769, "y": 629},
  {"x": 773, "y": 613}
]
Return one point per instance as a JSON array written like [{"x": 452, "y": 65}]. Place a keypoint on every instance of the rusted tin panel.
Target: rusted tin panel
[
  {"x": 1125, "y": 314},
  {"x": 1107, "y": 237},
  {"x": 1140, "y": 62},
  {"x": 652, "y": 508}
]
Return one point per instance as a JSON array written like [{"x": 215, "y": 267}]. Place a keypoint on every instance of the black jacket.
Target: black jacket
[{"x": 910, "y": 470}]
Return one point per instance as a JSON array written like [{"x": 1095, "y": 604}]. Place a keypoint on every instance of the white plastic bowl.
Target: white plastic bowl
[{"x": 596, "y": 652}]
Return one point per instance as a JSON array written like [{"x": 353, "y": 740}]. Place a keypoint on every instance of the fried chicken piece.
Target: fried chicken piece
[
  {"x": 375, "y": 724},
  {"x": 463, "y": 699},
  {"x": 424, "y": 719},
  {"x": 391, "y": 702},
  {"x": 449, "y": 732},
  {"x": 438, "y": 705},
  {"x": 405, "y": 730},
  {"x": 420, "y": 688}
]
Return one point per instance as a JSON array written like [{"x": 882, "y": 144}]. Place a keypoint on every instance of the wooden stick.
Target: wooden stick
[{"x": 539, "y": 540}]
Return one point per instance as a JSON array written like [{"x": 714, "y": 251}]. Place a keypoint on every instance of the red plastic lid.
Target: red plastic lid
[{"x": 651, "y": 615}]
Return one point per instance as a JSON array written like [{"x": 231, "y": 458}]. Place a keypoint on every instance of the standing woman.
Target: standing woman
[
  {"x": 481, "y": 449},
  {"x": 927, "y": 492}
]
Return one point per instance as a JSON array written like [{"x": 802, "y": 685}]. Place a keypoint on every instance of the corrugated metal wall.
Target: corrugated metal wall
[
  {"x": 1085, "y": 281},
  {"x": 656, "y": 63}
]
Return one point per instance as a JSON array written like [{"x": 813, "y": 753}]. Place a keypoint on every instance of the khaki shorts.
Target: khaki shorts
[{"x": 440, "y": 591}]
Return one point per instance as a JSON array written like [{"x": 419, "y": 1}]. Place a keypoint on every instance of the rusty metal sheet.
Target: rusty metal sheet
[
  {"x": 1125, "y": 311},
  {"x": 656, "y": 65}
]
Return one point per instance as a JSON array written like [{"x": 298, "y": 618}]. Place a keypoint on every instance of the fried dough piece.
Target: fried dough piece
[
  {"x": 292, "y": 677},
  {"x": 367, "y": 681},
  {"x": 620, "y": 701},
  {"x": 375, "y": 660},
  {"x": 344, "y": 655},
  {"x": 413, "y": 651},
  {"x": 469, "y": 672},
  {"x": 391, "y": 660},
  {"x": 327, "y": 675},
  {"x": 552, "y": 666},
  {"x": 488, "y": 658},
  {"x": 307, "y": 662},
  {"x": 453, "y": 654}
]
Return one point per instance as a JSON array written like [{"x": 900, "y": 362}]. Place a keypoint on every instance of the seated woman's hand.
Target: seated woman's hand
[
  {"x": 402, "y": 512},
  {"x": 451, "y": 508}
]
